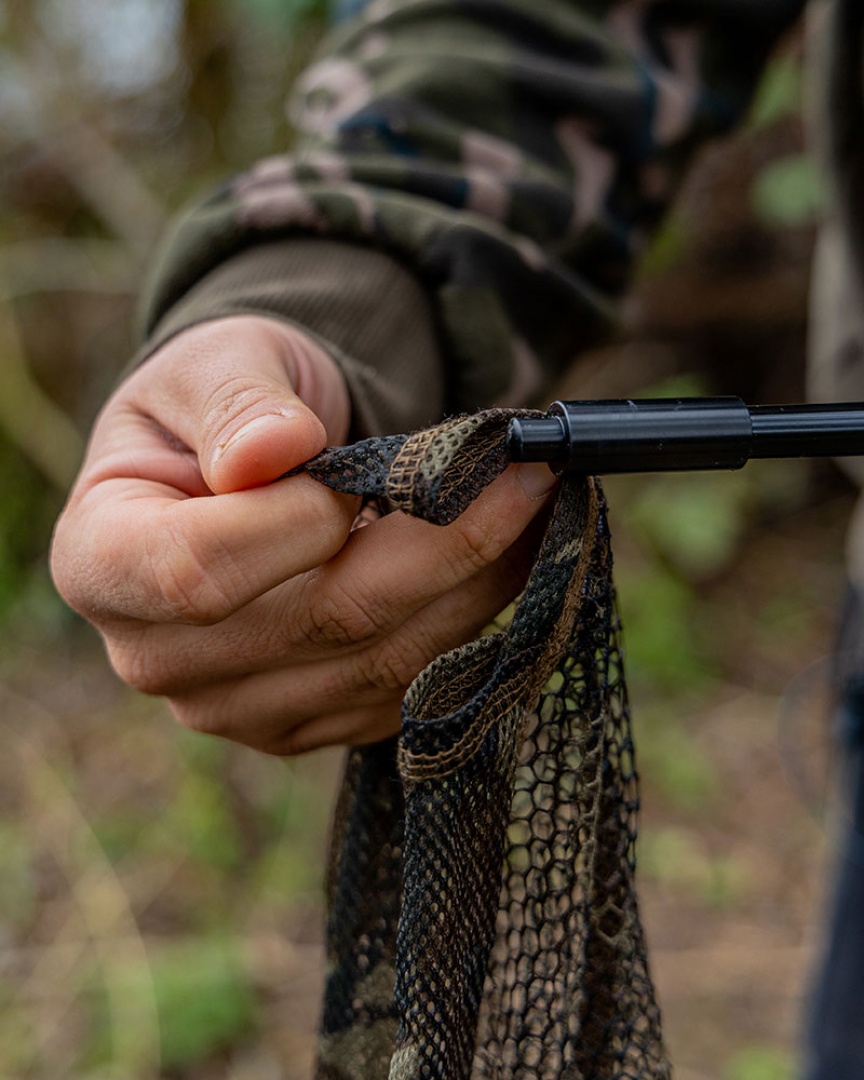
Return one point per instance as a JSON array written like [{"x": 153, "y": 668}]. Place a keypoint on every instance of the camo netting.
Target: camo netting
[{"x": 483, "y": 920}]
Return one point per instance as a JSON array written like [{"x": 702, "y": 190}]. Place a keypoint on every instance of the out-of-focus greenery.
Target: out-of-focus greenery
[
  {"x": 141, "y": 884},
  {"x": 112, "y": 112},
  {"x": 760, "y": 1063},
  {"x": 790, "y": 191},
  {"x": 160, "y": 893},
  {"x": 155, "y": 891}
]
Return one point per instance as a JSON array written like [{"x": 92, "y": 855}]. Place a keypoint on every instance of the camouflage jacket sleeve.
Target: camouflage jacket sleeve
[{"x": 498, "y": 162}]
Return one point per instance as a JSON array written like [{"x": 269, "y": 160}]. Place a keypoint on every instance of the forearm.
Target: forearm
[{"x": 509, "y": 157}]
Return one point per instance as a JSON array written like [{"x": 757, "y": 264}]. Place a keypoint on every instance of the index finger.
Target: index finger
[{"x": 138, "y": 541}]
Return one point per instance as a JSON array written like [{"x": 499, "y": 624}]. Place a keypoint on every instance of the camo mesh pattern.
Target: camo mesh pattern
[{"x": 498, "y": 834}]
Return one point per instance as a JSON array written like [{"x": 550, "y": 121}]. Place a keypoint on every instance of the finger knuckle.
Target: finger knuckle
[
  {"x": 193, "y": 585},
  {"x": 293, "y": 743},
  {"x": 198, "y": 717},
  {"x": 73, "y": 570},
  {"x": 233, "y": 399},
  {"x": 395, "y": 665},
  {"x": 142, "y": 670},
  {"x": 478, "y": 544},
  {"x": 341, "y": 618},
  {"x": 71, "y": 581}
]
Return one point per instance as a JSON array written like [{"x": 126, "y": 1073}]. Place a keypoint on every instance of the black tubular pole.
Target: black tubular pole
[{"x": 682, "y": 434}]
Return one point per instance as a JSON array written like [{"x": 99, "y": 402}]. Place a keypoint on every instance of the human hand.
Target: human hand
[{"x": 250, "y": 604}]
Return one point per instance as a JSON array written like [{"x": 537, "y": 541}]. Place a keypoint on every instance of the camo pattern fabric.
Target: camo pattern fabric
[
  {"x": 512, "y": 154},
  {"x": 483, "y": 920}
]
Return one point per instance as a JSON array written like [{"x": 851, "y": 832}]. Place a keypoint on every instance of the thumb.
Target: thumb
[
  {"x": 252, "y": 397},
  {"x": 271, "y": 432}
]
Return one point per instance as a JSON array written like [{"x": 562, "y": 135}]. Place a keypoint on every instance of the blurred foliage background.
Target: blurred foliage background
[
  {"x": 112, "y": 113},
  {"x": 160, "y": 893}
]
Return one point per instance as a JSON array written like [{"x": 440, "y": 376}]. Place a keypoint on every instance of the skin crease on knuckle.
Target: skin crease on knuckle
[
  {"x": 217, "y": 711},
  {"x": 392, "y": 664},
  {"x": 139, "y": 667},
  {"x": 170, "y": 661},
  {"x": 71, "y": 570},
  {"x": 396, "y": 663},
  {"x": 353, "y": 728},
  {"x": 337, "y": 617},
  {"x": 187, "y": 588},
  {"x": 234, "y": 401},
  {"x": 495, "y": 523},
  {"x": 479, "y": 543},
  {"x": 206, "y": 721},
  {"x": 90, "y": 568},
  {"x": 371, "y": 588}
]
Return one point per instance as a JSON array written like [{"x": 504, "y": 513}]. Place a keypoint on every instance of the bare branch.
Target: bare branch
[
  {"x": 101, "y": 174},
  {"x": 37, "y": 426}
]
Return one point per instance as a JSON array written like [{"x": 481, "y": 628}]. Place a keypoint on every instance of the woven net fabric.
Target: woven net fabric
[{"x": 483, "y": 920}]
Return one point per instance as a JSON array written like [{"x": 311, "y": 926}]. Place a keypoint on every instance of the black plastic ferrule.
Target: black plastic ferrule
[{"x": 682, "y": 434}]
